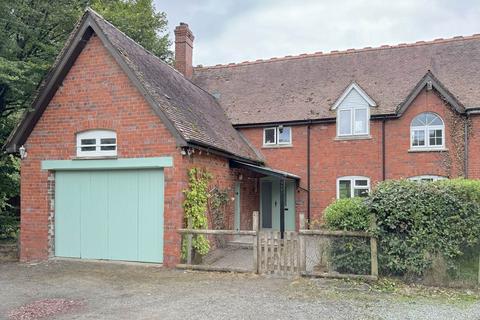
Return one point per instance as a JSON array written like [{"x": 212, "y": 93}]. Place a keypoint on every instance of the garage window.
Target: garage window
[{"x": 97, "y": 143}]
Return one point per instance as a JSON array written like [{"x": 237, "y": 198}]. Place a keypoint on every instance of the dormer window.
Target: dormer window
[
  {"x": 97, "y": 143},
  {"x": 353, "y": 112},
  {"x": 277, "y": 136}
]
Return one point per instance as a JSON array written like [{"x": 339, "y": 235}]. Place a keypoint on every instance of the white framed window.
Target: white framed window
[
  {"x": 277, "y": 136},
  {"x": 353, "y": 112},
  {"x": 352, "y": 186},
  {"x": 97, "y": 143},
  {"x": 353, "y": 121},
  {"x": 427, "y": 132},
  {"x": 426, "y": 178}
]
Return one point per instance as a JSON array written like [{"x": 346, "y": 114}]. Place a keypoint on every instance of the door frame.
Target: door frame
[{"x": 275, "y": 194}]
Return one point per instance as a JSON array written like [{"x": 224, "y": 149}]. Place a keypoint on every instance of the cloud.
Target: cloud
[{"x": 235, "y": 31}]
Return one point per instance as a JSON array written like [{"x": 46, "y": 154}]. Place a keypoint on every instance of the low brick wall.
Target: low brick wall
[{"x": 8, "y": 252}]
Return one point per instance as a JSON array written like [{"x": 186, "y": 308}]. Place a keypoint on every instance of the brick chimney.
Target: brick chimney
[{"x": 184, "y": 49}]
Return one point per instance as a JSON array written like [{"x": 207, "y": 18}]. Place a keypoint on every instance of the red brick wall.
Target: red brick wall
[
  {"x": 332, "y": 158},
  {"x": 97, "y": 94},
  {"x": 224, "y": 179},
  {"x": 403, "y": 164}
]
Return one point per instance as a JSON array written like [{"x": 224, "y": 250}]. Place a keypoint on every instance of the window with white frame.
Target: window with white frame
[
  {"x": 352, "y": 186},
  {"x": 353, "y": 112},
  {"x": 427, "y": 131},
  {"x": 426, "y": 178},
  {"x": 97, "y": 143},
  {"x": 277, "y": 136}
]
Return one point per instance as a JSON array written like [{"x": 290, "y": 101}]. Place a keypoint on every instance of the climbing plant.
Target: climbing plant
[
  {"x": 218, "y": 199},
  {"x": 195, "y": 208}
]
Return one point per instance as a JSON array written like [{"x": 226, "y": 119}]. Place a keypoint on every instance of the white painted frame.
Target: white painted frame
[
  {"x": 352, "y": 122},
  {"x": 352, "y": 180},
  {"x": 363, "y": 94},
  {"x": 277, "y": 134},
  {"x": 426, "y": 134},
  {"x": 97, "y": 135},
  {"x": 433, "y": 177},
  {"x": 264, "y": 136},
  {"x": 289, "y": 142}
]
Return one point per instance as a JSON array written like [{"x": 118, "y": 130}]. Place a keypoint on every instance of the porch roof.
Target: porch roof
[{"x": 263, "y": 170}]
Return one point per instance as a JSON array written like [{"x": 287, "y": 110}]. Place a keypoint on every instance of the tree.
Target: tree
[
  {"x": 33, "y": 33},
  {"x": 138, "y": 19}
]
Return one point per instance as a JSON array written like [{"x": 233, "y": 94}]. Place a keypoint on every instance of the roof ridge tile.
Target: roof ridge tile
[{"x": 338, "y": 52}]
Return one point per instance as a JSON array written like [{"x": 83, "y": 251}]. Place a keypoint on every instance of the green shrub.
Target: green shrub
[
  {"x": 348, "y": 214},
  {"x": 418, "y": 221},
  {"x": 349, "y": 255},
  {"x": 9, "y": 226}
]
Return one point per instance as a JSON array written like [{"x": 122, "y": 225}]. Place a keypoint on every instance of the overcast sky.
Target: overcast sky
[{"x": 235, "y": 31}]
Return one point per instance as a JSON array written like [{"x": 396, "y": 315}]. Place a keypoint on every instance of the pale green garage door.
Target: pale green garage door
[{"x": 114, "y": 215}]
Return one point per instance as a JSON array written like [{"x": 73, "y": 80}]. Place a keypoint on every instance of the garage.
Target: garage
[{"x": 109, "y": 214}]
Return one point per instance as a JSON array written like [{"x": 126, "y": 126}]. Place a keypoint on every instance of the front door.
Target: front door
[{"x": 270, "y": 204}]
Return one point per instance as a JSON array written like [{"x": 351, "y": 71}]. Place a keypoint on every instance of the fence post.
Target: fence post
[
  {"x": 302, "y": 248},
  {"x": 189, "y": 242},
  {"x": 255, "y": 242},
  {"x": 373, "y": 250},
  {"x": 479, "y": 270}
]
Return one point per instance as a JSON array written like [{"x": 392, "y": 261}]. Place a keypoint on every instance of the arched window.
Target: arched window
[
  {"x": 352, "y": 186},
  {"x": 427, "y": 131},
  {"x": 426, "y": 178},
  {"x": 97, "y": 143}
]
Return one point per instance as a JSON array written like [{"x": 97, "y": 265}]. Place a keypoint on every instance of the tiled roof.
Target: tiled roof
[
  {"x": 193, "y": 116},
  {"x": 306, "y": 86},
  {"x": 193, "y": 112}
]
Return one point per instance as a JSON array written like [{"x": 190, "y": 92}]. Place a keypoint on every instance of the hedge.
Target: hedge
[
  {"x": 416, "y": 222},
  {"x": 348, "y": 254}
]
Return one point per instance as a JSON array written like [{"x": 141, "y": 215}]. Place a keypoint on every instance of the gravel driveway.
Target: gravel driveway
[{"x": 113, "y": 291}]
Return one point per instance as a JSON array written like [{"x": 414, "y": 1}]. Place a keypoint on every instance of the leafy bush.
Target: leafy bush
[
  {"x": 9, "y": 226},
  {"x": 418, "y": 221},
  {"x": 349, "y": 255},
  {"x": 416, "y": 224},
  {"x": 348, "y": 214}
]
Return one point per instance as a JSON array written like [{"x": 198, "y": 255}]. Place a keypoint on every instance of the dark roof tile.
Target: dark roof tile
[{"x": 276, "y": 90}]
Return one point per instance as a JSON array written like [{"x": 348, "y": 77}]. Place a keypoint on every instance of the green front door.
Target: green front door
[
  {"x": 109, "y": 214},
  {"x": 270, "y": 204}
]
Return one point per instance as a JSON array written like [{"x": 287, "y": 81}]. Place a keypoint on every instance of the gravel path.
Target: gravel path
[{"x": 112, "y": 291}]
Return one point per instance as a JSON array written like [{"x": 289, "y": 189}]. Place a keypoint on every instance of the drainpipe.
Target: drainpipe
[
  {"x": 383, "y": 150},
  {"x": 308, "y": 173},
  {"x": 465, "y": 132}
]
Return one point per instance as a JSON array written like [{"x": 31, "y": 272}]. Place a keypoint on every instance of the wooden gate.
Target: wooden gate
[{"x": 276, "y": 255}]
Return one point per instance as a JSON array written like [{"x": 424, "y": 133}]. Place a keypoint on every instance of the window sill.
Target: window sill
[
  {"x": 352, "y": 137},
  {"x": 276, "y": 146},
  {"x": 427, "y": 150},
  {"x": 95, "y": 158}
]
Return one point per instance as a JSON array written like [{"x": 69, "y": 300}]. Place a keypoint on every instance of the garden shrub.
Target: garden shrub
[
  {"x": 417, "y": 222},
  {"x": 348, "y": 254}
]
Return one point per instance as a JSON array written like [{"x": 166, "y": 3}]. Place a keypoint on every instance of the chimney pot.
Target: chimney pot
[{"x": 184, "y": 49}]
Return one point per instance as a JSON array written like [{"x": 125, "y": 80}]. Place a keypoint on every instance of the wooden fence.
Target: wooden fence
[
  {"x": 274, "y": 254},
  {"x": 277, "y": 255}
]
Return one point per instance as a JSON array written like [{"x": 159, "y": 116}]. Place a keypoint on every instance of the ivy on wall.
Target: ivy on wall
[{"x": 195, "y": 208}]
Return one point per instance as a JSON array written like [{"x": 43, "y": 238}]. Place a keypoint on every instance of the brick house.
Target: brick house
[{"x": 113, "y": 131}]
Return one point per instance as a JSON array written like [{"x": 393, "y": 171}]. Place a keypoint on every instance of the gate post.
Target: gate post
[
  {"x": 255, "y": 242},
  {"x": 302, "y": 248},
  {"x": 189, "y": 242}
]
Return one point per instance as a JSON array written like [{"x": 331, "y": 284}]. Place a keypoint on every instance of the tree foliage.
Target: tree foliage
[{"x": 33, "y": 33}]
